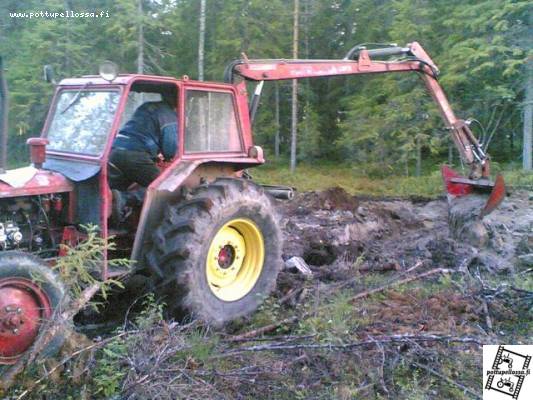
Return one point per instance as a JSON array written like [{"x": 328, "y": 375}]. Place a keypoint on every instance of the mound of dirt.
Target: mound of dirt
[{"x": 332, "y": 227}]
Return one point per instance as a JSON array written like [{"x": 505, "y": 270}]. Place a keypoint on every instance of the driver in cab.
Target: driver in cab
[{"x": 151, "y": 132}]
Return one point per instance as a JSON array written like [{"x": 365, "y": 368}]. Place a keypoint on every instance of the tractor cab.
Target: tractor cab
[
  {"x": 84, "y": 118},
  {"x": 71, "y": 156},
  {"x": 87, "y": 113}
]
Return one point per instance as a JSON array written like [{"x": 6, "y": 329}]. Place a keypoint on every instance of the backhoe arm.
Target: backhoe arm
[{"x": 412, "y": 58}]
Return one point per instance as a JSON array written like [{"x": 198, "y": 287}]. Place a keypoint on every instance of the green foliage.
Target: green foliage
[
  {"x": 200, "y": 345},
  {"x": 151, "y": 313},
  {"x": 81, "y": 263},
  {"x": 353, "y": 179},
  {"x": 108, "y": 374},
  {"x": 480, "y": 47},
  {"x": 310, "y": 147},
  {"x": 332, "y": 321}
]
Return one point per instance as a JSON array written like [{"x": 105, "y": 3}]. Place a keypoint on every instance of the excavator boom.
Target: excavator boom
[{"x": 358, "y": 61}]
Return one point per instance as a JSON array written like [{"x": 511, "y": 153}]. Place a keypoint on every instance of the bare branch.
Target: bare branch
[
  {"x": 400, "y": 282},
  {"x": 451, "y": 381},
  {"x": 263, "y": 329},
  {"x": 347, "y": 346}
]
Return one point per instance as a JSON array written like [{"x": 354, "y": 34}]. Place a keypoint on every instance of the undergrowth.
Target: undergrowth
[
  {"x": 360, "y": 180},
  {"x": 148, "y": 357},
  {"x": 81, "y": 265}
]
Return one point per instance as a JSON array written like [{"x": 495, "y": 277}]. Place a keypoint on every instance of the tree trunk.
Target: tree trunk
[
  {"x": 276, "y": 110},
  {"x": 528, "y": 116},
  {"x": 67, "y": 40},
  {"x": 307, "y": 106},
  {"x": 201, "y": 41},
  {"x": 418, "y": 170},
  {"x": 140, "y": 38},
  {"x": 294, "y": 117},
  {"x": 4, "y": 114}
]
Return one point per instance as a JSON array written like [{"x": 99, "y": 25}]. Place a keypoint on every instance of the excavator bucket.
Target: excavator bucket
[
  {"x": 496, "y": 196},
  {"x": 458, "y": 186}
]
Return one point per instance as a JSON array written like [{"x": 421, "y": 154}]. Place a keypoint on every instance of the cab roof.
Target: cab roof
[{"x": 121, "y": 79}]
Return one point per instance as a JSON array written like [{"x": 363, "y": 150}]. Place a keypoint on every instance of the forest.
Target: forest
[{"x": 385, "y": 124}]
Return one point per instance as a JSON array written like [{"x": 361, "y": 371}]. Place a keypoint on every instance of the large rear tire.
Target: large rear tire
[
  {"x": 218, "y": 253},
  {"x": 30, "y": 292}
]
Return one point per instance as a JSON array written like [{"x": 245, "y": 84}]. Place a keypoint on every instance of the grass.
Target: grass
[{"x": 352, "y": 178}]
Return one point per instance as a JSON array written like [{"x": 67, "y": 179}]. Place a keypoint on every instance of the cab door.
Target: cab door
[{"x": 211, "y": 126}]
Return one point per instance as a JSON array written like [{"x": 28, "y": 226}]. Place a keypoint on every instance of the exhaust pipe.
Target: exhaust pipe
[
  {"x": 279, "y": 192},
  {"x": 4, "y": 106}
]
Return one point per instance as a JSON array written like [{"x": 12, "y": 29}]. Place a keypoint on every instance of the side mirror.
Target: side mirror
[{"x": 48, "y": 71}]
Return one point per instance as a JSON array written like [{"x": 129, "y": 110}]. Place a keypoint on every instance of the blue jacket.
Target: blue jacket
[{"x": 152, "y": 128}]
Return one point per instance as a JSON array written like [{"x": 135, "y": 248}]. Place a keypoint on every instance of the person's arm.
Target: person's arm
[
  {"x": 168, "y": 126},
  {"x": 169, "y": 142}
]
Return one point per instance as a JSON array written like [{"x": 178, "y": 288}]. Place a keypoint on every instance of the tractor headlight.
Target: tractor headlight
[{"x": 108, "y": 70}]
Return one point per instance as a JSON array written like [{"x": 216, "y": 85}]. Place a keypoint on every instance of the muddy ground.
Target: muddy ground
[
  {"x": 321, "y": 335},
  {"x": 333, "y": 231}
]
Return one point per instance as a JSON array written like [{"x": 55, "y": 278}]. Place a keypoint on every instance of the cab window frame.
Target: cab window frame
[{"x": 237, "y": 122}]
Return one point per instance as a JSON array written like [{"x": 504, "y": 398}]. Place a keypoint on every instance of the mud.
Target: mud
[
  {"x": 340, "y": 236},
  {"x": 335, "y": 233}
]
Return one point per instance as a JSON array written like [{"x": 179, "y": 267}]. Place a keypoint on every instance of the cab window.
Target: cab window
[{"x": 210, "y": 122}]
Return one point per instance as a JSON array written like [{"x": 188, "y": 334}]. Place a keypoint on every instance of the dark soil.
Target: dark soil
[{"x": 331, "y": 228}]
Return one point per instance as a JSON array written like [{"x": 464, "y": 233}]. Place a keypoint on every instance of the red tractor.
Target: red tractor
[{"x": 206, "y": 235}]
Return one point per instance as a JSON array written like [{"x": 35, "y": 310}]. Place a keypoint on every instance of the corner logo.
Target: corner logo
[{"x": 507, "y": 373}]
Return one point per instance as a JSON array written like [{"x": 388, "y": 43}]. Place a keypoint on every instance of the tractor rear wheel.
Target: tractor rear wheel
[
  {"x": 219, "y": 252},
  {"x": 29, "y": 294}
]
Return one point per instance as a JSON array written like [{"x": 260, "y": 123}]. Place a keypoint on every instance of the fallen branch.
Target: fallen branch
[
  {"x": 273, "y": 339},
  {"x": 417, "y": 264},
  {"x": 347, "y": 346},
  {"x": 391, "y": 266},
  {"x": 381, "y": 269},
  {"x": 400, "y": 282},
  {"x": 291, "y": 294},
  {"x": 262, "y": 330},
  {"x": 48, "y": 332},
  {"x": 488, "y": 320},
  {"x": 449, "y": 380}
]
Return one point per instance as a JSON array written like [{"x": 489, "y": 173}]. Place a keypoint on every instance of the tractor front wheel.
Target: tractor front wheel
[
  {"x": 219, "y": 252},
  {"x": 29, "y": 294}
]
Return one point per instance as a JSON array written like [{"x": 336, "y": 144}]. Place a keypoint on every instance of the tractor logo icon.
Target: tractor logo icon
[
  {"x": 506, "y": 382},
  {"x": 509, "y": 371},
  {"x": 506, "y": 358}
]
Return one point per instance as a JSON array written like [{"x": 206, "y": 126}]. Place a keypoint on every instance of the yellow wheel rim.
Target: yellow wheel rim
[{"x": 235, "y": 259}]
